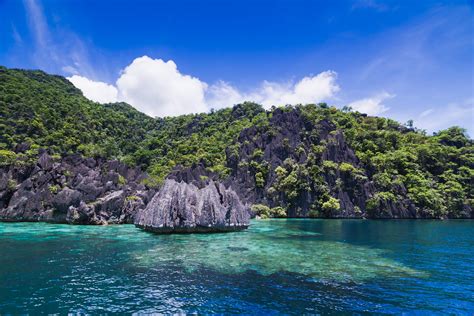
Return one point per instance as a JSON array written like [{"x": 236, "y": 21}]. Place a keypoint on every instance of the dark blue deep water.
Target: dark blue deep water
[{"x": 276, "y": 267}]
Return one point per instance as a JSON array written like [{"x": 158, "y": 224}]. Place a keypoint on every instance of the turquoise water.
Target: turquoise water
[{"x": 275, "y": 267}]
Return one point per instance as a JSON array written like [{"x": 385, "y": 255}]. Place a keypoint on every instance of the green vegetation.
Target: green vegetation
[
  {"x": 291, "y": 179},
  {"x": 54, "y": 188},
  {"x": 331, "y": 205},
  {"x": 380, "y": 197},
  {"x": 11, "y": 185},
  {"x": 265, "y": 212},
  {"x": 193, "y": 138},
  {"x": 7, "y": 157},
  {"x": 132, "y": 198},
  {"x": 437, "y": 171},
  {"x": 47, "y": 111},
  {"x": 121, "y": 180}
]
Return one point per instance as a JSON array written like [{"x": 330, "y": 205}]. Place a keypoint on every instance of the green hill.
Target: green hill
[{"x": 48, "y": 111}]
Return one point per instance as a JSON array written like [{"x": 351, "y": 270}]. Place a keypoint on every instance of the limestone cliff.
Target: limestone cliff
[
  {"x": 72, "y": 190},
  {"x": 181, "y": 207}
]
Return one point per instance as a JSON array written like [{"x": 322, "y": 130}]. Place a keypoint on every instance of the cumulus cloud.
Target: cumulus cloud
[
  {"x": 158, "y": 88},
  {"x": 222, "y": 94},
  {"x": 372, "y": 105},
  {"x": 95, "y": 90},
  {"x": 310, "y": 89},
  {"x": 153, "y": 86}
]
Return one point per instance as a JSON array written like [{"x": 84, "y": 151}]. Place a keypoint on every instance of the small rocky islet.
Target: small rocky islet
[{"x": 180, "y": 207}]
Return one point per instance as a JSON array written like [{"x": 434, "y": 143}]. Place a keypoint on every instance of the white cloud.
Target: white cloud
[
  {"x": 312, "y": 89},
  {"x": 158, "y": 88},
  {"x": 459, "y": 113},
  {"x": 372, "y": 105},
  {"x": 95, "y": 90},
  {"x": 56, "y": 49},
  {"x": 222, "y": 94},
  {"x": 37, "y": 22},
  {"x": 426, "y": 113},
  {"x": 39, "y": 29}
]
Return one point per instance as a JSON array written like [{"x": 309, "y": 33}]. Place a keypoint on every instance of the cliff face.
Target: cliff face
[
  {"x": 306, "y": 167},
  {"x": 285, "y": 145},
  {"x": 72, "y": 190},
  {"x": 300, "y": 166},
  {"x": 181, "y": 207},
  {"x": 76, "y": 190}
]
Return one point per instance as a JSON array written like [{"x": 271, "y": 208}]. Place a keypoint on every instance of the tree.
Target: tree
[{"x": 331, "y": 205}]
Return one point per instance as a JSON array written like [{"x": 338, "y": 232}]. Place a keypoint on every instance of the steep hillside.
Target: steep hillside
[
  {"x": 319, "y": 161},
  {"x": 305, "y": 160},
  {"x": 48, "y": 111}
]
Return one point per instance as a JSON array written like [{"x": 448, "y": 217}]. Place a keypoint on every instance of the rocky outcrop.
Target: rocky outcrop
[
  {"x": 181, "y": 207},
  {"x": 315, "y": 163},
  {"x": 286, "y": 143},
  {"x": 72, "y": 190}
]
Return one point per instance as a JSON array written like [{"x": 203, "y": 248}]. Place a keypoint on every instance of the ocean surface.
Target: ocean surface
[{"x": 275, "y": 267}]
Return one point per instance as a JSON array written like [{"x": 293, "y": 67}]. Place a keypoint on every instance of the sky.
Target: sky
[{"x": 399, "y": 59}]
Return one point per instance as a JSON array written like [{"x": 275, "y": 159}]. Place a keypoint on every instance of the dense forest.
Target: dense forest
[{"x": 300, "y": 160}]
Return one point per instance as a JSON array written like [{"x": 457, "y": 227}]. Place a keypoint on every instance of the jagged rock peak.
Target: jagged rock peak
[{"x": 180, "y": 207}]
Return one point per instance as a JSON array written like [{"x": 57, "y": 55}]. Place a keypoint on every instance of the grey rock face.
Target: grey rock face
[
  {"x": 289, "y": 141},
  {"x": 181, "y": 207},
  {"x": 66, "y": 198},
  {"x": 72, "y": 190},
  {"x": 290, "y": 137}
]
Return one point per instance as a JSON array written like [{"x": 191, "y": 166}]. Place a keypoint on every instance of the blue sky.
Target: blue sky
[{"x": 401, "y": 59}]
